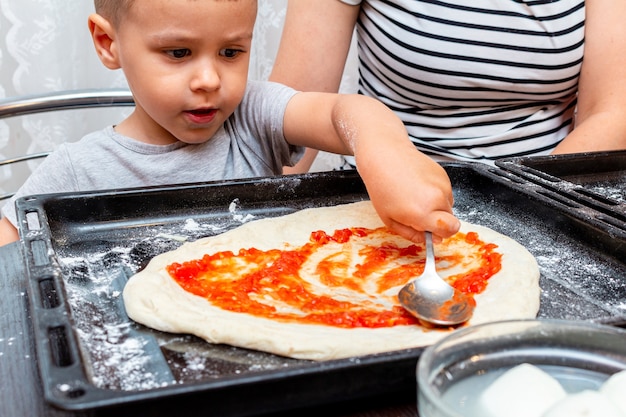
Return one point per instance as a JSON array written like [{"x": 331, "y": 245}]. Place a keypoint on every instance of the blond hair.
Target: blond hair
[{"x": 113, "y": 10}]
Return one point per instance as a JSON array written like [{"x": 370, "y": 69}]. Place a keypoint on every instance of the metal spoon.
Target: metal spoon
[{"x": 431, "y": 299}]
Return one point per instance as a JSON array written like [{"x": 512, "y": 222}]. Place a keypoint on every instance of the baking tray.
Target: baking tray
[
  {"x": 594, "y": 179},
  {"x": 81, "y": 248}
]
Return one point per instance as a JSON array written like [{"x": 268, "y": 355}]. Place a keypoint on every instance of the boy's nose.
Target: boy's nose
[{"x": 205, "y": 77}]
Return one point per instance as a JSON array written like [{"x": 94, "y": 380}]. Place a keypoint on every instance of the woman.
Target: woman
[{"x": 473, "y": 81}]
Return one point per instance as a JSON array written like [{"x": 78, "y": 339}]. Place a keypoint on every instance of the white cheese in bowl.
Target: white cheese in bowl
[
  {"x": 615, "y": 389},
  {"x": 522, "y": 391},
  {"x": 584, "y": 404},
  {"x": 527, "y": 391}
]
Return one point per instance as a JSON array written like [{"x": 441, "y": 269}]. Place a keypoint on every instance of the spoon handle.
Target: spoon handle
[{"x": 430, "y": 264}]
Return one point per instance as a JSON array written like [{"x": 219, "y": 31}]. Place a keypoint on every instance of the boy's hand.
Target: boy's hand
[{"x": 411, "y": 192}]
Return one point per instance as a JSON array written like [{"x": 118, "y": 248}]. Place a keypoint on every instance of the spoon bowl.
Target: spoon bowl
[{"x": 429, "y": 298}]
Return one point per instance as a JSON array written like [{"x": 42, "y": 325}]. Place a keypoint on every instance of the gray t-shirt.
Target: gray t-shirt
[{"x": 250, "y": 144}]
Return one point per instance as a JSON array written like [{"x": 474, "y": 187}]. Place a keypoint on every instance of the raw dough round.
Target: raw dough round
[{"x": 154, "y": 299}]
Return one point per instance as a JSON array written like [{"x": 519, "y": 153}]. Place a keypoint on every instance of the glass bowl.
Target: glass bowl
[{"x": 452, "y": 373}]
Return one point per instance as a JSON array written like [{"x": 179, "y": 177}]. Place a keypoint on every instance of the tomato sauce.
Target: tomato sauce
[{"x": 268, "y": 283}]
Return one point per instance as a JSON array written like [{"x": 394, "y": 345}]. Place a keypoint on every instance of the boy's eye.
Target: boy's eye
[
  {"x": 178, "y": 53},
  {"x": 229, "y": 53}
]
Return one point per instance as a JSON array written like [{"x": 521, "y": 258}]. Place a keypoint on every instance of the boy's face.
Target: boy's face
[{"x": 186, "y": 62}]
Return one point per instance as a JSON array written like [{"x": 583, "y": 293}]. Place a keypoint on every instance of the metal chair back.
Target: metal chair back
[{"x": 61, "y": 100}]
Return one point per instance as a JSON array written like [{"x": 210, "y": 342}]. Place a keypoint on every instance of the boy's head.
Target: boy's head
[{"x": 186, "y": 62}]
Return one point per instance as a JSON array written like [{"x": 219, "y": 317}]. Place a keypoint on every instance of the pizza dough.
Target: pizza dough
[{"x": 154, "y": 299}]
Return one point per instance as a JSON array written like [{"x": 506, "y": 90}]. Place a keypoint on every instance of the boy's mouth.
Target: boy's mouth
[
  {"x": 201, "y": 116},
  {"x": 201, "y": 112}
]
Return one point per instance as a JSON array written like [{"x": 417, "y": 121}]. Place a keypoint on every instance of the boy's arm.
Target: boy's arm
[
  {"x": 8, "y": 232},
  {"x": 410, "y": 191}
]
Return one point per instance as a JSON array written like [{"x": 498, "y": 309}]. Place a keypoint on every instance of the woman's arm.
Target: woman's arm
[
  {"x": 313, "y": 50},
  {"x": 314, "y": 44},
  {"x": 601, "y": 113}
]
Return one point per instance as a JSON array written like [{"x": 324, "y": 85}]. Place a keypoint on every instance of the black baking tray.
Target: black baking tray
[
  {"x": 82, "y": 247},
  {"x": 594, "y": 179}
]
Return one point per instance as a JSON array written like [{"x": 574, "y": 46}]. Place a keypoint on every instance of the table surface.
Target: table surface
[{"x": 22, "y": 393}]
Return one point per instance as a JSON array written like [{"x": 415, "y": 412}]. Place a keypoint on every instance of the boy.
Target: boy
[{"x": 197, "y": 118}]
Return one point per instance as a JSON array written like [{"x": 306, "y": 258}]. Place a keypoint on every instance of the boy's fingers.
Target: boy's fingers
[
  {"x": 445, "y": 225},
  {"x": 441, "y": 223}
]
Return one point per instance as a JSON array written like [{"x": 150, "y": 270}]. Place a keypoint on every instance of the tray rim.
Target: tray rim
[{"x": 529, "y": 168}]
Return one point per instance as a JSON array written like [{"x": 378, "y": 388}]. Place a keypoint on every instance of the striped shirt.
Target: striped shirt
[{"x": 474, "y": 80}]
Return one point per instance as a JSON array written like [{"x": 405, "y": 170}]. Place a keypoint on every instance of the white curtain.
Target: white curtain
[{"x": 45, "y": 47}]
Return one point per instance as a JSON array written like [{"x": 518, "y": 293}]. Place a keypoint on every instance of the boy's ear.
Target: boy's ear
[{"x": 103, "y": 36}]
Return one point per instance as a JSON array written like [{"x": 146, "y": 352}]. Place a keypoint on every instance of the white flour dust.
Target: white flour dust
[{"x": 121, "y": 355}]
